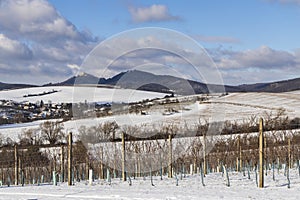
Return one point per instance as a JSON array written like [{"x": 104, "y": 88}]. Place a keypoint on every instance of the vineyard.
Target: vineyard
[{"x": 109, "y": 152}]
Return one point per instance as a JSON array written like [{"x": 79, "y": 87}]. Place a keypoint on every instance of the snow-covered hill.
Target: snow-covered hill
[
  {"x": 236, "y": 106},
  {"x": 245, "y": 104},
  {"x": 69, "y": 94}
]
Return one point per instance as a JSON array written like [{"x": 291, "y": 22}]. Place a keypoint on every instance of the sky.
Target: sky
[{"x": 249, "y": 41}]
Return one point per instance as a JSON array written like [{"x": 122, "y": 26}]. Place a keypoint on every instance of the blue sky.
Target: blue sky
[
  {"x": 251, "y": 23},
  {"x": 250, "y": 41}
]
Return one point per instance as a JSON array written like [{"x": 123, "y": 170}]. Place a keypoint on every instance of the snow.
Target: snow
[
  {"x": 236, "y": 106},
  {"x": 69, "y": 94},
  {"x": 189, "y": 188},
  {"x": 24, "y": 125},
  {"x": 294, "y": 92},
  {"x": 258, "y": 103},
  {"x": 154, "y": 118},
  {"x": 233, "y": 107}
]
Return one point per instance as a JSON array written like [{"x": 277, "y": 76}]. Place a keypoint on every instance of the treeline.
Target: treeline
[{"x": 53, "y": 132}]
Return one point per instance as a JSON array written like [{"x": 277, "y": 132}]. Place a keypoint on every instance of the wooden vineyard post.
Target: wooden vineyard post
[
  {"x": 226, "y": 175},
  {"x": 115, "y": 154},
  {"x": 261, "y": 154},
  {"x": 16, "y": 166},
  {"x": 87, "y": 167},
  {"x": 265, "y": 155},
  {"x": 289, "y": 153},
  {"x": 101, "y": 164},
  {"x": 70, "y": 159},
  {"x": 204, "y": 155},
  {"x": 241, "y": 159},
  {"x": 195, "y": 166},
  {"x": 238, "y": 160},
  {"x": 62, "y": 164},
  {"x": 123, "y": 157},
  {"x": 170, "y": 157}
]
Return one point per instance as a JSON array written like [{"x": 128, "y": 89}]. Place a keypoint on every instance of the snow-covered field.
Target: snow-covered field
[
  {"x": 69, "y": 94},
  {"x": 235, "y": 106},
  {"x": 189, "y": 188},
  {"x": 257, "y": 103}
]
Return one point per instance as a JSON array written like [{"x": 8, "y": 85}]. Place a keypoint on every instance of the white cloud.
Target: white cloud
[
  {"x": 174, "y": 52},
  {"x": 249, "y": 66},
  {"x": 153, "y": 13},
  {"x": 257, "y": 65},
  {"x": 27, "y": 17},
  {"x": 263, "y": 57},
  {"x": 13, "y": 49},
  {"x": 40, "y": 42},
  {"x": 74, "y": 67}
]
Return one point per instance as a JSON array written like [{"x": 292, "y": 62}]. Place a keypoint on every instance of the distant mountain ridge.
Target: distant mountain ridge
[
  {"x": 82, "y": 78},
  {"x": 141, "y": 80},
  {"x": 279, "y": 86}
]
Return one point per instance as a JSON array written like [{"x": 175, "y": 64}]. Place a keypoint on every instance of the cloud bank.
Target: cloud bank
[
  {"x": 257, "y": 65},
  {"x": 36, "y": 40}
]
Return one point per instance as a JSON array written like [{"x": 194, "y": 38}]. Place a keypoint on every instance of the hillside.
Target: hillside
[
  {"x": 279, "y": 86},
  {"x": 160, "y": 83},
  {"x": 83, "y": 78},
  {"x": 146, "y": 81},
  {"x": 7, "y": 86},
  {"x": 141, "y": 80},
  {"x": 68, "y": 94}
]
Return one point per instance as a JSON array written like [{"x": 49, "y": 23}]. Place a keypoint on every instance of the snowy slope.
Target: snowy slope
[
  {"x": 68, "y": 94},
  {"x": 236, "y": 106},
  {"x": 257, "y": 103}
]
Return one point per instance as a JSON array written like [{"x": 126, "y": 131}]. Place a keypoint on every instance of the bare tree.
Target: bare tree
[
  {"x": 52, "y": 132},
  {"x": 30, "y": 137},
  {"x": 109, "y": 129}
]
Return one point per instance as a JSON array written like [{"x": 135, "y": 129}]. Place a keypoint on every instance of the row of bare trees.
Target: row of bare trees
[{"x": 49, "y": 132}]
